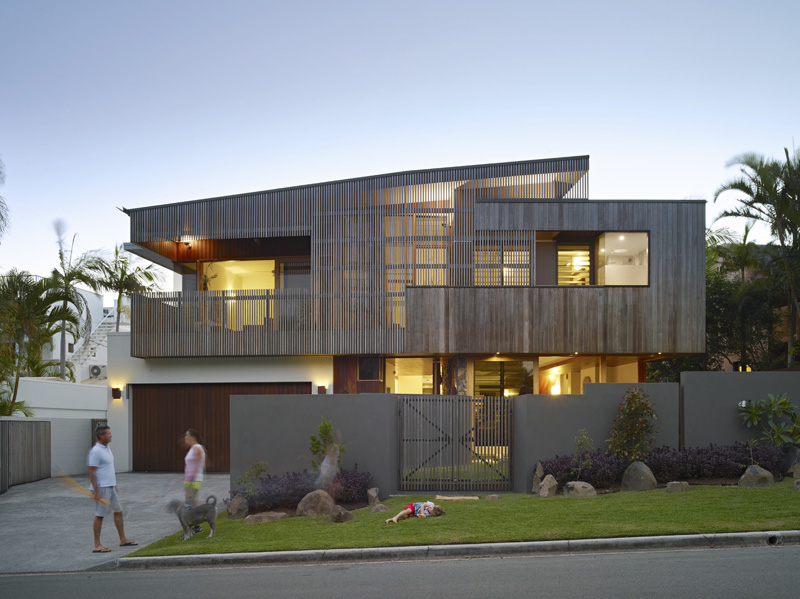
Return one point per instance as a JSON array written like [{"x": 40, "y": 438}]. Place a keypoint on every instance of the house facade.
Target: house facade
[{"x": 500, "y": 279}]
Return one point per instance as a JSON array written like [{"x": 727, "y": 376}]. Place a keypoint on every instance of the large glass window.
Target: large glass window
[
  {"x": 503, "y": 378},
  {"x": 622, "y": 258}
]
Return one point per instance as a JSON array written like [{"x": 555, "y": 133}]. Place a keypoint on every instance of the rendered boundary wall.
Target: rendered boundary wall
[
  {"x": 702, "y": 409},
  {"x": 711, "y": 403},
  {"x": 276, "y": 428}
]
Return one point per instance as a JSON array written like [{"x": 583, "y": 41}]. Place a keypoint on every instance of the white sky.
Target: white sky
[{"x": 106, "y": 104}]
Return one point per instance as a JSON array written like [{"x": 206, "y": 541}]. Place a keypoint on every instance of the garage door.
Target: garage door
[{"x": 162, "y": 413}]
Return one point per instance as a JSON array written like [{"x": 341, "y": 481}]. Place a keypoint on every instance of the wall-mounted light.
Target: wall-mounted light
[
  {"x": 188, "y": 244},
  {"x": 322, "y": 389},
  {"x": 116, "y": 393}
]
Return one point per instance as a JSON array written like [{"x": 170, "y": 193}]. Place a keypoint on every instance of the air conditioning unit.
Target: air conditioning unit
[{"x": 97, "y": 371}]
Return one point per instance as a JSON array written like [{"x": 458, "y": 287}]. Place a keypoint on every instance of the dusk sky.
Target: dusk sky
[{"x": 107, "y": 104}]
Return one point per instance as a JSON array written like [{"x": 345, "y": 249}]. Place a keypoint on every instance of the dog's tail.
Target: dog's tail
[{"x": 212, "y": 500}]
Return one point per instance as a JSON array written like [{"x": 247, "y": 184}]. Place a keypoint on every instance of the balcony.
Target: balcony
[{"x": 260, "y": 322}]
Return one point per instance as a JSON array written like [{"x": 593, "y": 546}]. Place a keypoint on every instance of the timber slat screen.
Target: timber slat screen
[
  {"x": 24, "y": 452},
  {"x": 370, "y": 239},
  {"x": 455, "y": 443}
]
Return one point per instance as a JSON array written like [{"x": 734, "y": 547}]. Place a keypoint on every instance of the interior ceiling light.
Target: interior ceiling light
[{"x": 621, "y": 237}]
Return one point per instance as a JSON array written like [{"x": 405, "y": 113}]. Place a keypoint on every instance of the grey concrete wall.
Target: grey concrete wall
[
  {"x": 276, "y": 428},
  {"x": 546, "y": 425},
  {"x": 711, "y": 403},
  {"x": 70, "y": 442}
]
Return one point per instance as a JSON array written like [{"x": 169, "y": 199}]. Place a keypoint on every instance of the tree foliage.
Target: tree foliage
[
  {"x": 31, "y": 313},
  {"x": 122, "y": 276}
]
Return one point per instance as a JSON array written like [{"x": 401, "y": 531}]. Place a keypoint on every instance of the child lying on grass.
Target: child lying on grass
[{"x": 420, "y": 510}]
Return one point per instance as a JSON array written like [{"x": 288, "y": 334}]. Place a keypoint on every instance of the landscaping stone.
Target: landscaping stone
[
  {"x": 316, "y": 503},
  {"x": 638, "y": 477},
  {"x": 548, "y": 487},
  {"x": 538, "y": 475},
  {"x": 578, "y": 488},
  {"x": 492, "y": 497},
  {"x": 790, "y": 465},
  {"x": 372, "y": 496},
  {"x": 238, "y": 508},
  {"x": 379, "y": 507},
  {"x": 677, "y": 486},
  {"x": 797, "y": 485},
  {"x": 756, "y": 476},
  {"x": 264, "y": 517},
  {"x": 339, "y": 514}
]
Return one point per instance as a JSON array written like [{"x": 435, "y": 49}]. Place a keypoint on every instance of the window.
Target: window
[
  {"x": 369, "y": 368},
  {"x": 623, "y": 258},
  {"x": 574, "y": 264}
]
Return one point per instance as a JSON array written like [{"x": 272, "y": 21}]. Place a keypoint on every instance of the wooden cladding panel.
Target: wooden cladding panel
[
  {"x": 345, "y": 377},
  {"x": 557, "y": 320},
  {"x": 162, "y": 413}
]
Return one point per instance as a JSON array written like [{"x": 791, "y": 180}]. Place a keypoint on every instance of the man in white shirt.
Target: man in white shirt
[{"x": 104, "y": 487}]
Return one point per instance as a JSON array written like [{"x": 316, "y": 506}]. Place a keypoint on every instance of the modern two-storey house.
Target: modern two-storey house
[{"x": 499, "y": 279}]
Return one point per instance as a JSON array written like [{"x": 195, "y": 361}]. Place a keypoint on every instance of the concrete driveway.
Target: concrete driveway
[{"x": 47, "y": 527}]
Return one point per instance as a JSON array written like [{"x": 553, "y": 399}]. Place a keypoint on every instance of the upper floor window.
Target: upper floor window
[
  {"x": 592, "y": 258},
  {"x": 623, "y": 258}
]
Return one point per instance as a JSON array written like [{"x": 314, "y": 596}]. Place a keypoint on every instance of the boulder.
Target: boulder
[
  {"x": 548, "y": 487},
  {"x": 756, "y": 476},
  {"x": 638, "y": 477},
  {"x": 316, "y": 503},
  {"x": 238, "y": 508},
  {"x": 578, "y": 488},
  {"x": 790, "y": 461},
  {"x": 538, "y": 475},
  {"x": 379, "y": 507},
  {"x": 492, "y": 497},
  {"x": 372, "y": 496},
  {"x": 797, "y": 485},
  {"x": 339, "y": 514},
  {"x": 676, "y": 486},
  {"x": 264, "y": 517}
]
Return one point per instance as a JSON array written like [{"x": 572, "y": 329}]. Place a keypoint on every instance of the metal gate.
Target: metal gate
[{"x": 455, "y": 443}]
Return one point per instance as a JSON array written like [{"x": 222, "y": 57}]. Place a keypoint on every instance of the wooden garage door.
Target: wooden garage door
[{"x": 162, "y": 413}]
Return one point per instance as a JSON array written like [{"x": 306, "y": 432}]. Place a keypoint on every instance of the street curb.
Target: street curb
[{"x": 422, "y": 552}]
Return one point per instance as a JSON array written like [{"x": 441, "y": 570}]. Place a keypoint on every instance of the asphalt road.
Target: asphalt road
[{"x": 708, "y": 573}]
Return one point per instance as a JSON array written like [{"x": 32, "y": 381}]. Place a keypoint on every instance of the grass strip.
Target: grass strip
[{"x": 515, "y": 517}]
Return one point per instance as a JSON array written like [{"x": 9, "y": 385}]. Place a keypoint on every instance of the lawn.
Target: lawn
[{"x": 515, "y": 517}]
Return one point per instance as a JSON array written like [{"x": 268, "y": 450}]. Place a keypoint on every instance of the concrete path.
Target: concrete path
[{"x": 47, "y": 527}]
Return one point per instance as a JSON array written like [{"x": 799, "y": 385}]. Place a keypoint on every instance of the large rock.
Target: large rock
[
  {"x": 379, "y": 507},
  {"x": 238, "y": 508},
  {"x": 316, "y": 503},
  {"x": 493, "y": 497},
  {"x": 756, "y": 476},
  {"x": 538, "y": 475},
  {"x": 548, "y": 487},
  {"x": 790, "y": 463},
  {"x": 677, "y": 486},
  {"x": 638, "y": 477},
  {"x": 339, "y": 514},
  {"x": 578, "y": 488},
  {"x": 262, "y": 517},
  {"x": 797, "y": 485},
  {"x": 372, "y": 496}
]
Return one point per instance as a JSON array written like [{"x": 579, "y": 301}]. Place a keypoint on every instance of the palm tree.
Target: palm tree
[
  {"x": 3, "y": 205},
  {"x": 70, "y": 271},
  {"x": 31, "y": 312},
  {"x": 123, "y": 277},
  {"x": 772, "y": 196}
]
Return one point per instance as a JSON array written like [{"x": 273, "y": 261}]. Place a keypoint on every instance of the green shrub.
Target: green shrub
[
  {"x": 324, "y": 444},
  {"x": 633, "y": 433},
  {"x": 777, "y": 416}
]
